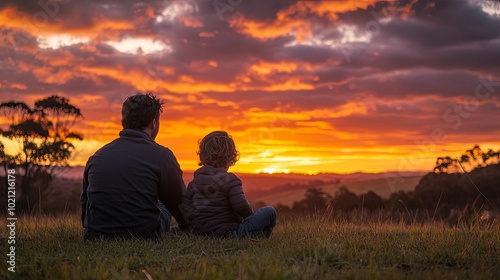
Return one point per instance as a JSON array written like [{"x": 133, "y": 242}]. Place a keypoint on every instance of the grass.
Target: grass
[{"x": 52, "y": 248}]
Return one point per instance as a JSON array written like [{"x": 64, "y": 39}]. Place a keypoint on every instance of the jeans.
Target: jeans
[
  {"x": 259, "y": 224},
  {"x": 165, "y": 218}
]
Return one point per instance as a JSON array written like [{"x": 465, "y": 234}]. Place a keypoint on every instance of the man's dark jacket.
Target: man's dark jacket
[
  {"x": 122, "y": 184},
  {"x": 214, "y": 202}
]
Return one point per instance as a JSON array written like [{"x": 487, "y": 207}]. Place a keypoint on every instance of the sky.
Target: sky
[{"x": 302, "y": 86}]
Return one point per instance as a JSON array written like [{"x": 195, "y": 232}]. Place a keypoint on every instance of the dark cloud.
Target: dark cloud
[
  {"x": 422, "y": 82},
  {"x": 312, "y": 54},
  {"x": 456, "y": 25},
  {"x": 262, "y": 10},
  {"x": 411, "y": 122},
  {"x": 377, "y": 11},
  {"x": 79, "y": 14}
]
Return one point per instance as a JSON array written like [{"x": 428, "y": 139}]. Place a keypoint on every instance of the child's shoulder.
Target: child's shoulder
[
  {"x": 211, "y": 174},
  {"x": 232, "y": 180},
  {"x": 227, "y": 178},
  {"x": 232, "y": 175}
]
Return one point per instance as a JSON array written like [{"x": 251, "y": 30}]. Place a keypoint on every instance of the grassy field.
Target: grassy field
[{"x": 50, "y": 248}]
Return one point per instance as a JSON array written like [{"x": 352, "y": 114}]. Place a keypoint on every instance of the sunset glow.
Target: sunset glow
[{"x": 302, "y": 86}]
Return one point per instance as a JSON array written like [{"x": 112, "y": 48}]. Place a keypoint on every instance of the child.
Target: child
[{"x": 214, "y": 201}]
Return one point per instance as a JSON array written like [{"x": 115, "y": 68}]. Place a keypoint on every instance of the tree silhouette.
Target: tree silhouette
[
  {"x": 283, "y": 209},
  {"x": 3, "y": 157},
  {"x": 471, "y": 159},
  {"x": 449, "y": 189},
  {"x": 446, "y": 165},
  {"x": 314, "y": 200},
  {"x": 345, "y": 200},
  {"x": 400, "y": 201},
  {"x": 372, "y": 201},
  {"x": 43, "y": 135}
]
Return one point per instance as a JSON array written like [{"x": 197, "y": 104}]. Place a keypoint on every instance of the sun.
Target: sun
[{"x": 270, "y": 170}]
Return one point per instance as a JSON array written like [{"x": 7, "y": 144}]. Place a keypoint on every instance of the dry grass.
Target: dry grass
[{"x": 308, "y": 248}]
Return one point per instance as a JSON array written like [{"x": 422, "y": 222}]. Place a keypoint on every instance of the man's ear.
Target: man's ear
[
  {"x": 154, "y": 124},
  {"x": 154, "y": 127}
]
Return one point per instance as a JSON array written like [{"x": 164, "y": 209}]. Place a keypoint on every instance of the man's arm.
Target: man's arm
[
  {"x": 83, "y": 197},
  {"x": 172, "y": 189}
]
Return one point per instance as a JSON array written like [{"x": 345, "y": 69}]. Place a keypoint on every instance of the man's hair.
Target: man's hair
[
  {"x": 217, "y": 149},
  {"x": 139, "y": 110}
]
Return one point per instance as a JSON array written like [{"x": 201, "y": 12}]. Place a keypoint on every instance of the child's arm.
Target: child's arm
[{"x": 237, "y": 199}]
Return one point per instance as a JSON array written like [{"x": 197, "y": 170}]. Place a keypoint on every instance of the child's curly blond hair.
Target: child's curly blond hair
[{"x": 217, "y": 149}]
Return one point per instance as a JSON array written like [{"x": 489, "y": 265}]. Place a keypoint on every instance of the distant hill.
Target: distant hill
[{"x": 289, "y": 194}]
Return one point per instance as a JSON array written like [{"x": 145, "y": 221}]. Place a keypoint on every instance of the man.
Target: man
[{"x": 124, "y": 181}]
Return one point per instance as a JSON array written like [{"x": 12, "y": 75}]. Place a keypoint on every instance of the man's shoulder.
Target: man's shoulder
[
  {"x": 151, "y": 148},
  {"x": 163, "y": 150},
  {"x": 106, "y": 146}
]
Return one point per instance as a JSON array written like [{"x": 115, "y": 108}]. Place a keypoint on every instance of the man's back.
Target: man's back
[{"x": 122, "y": 184}]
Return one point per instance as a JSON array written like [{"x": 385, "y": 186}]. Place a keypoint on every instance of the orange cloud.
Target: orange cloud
[
  {"x": 265, "y": 68},
  {"x": 291, "y": 84},
  {"x": 294, "y": 20},
  {"x": 51, "y": 75},
  {"x": 190, "y": 21},
  {"x": 102, "y": 27},
  {"x": 213, "y": 63},
  {"x": 289, "y": 116},
  {"x": 264, "y": 31},
  {"x": 142, "y": 80},
  {"x": 207, "y": 34},
  {"x": 6, "y": 84},
  {"x": 201, "y": 66},
  {"x": 261, "y": 76},
  {"x": 188, "y": 85},
  {"x": 327, "y": 8}
]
